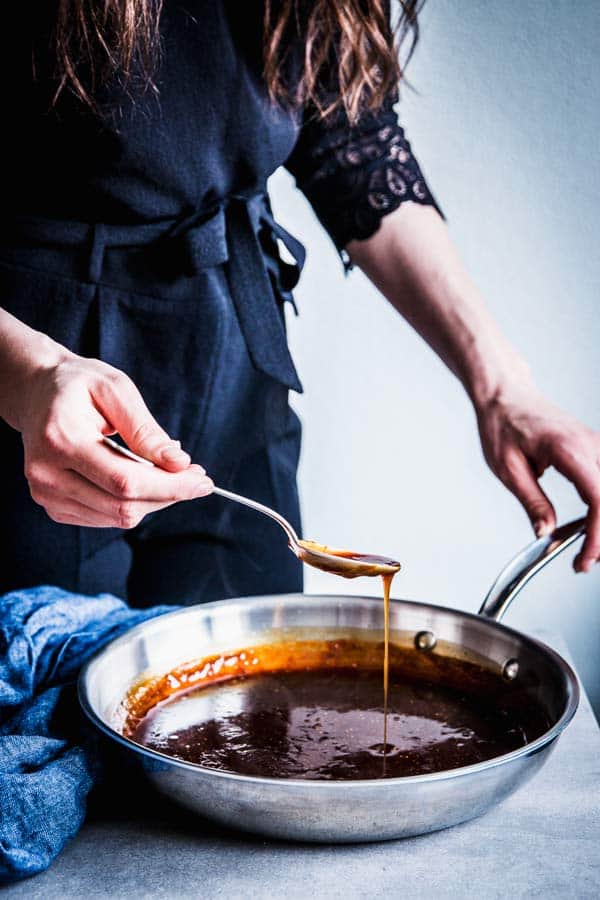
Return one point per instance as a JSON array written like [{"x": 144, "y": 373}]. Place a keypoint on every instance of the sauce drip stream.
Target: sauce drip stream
[
  {"x": 370, "y": 566},
  {"x": 387, "y": 583}
]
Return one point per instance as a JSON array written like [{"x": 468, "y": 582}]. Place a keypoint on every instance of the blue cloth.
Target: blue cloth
[{"x": 49, "y": 760}]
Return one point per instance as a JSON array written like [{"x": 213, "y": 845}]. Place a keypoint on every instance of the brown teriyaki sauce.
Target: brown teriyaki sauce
[{"x": 314, "y": 710}]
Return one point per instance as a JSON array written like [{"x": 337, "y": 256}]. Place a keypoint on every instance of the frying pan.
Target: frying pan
[{"x": 342, "y": 811}]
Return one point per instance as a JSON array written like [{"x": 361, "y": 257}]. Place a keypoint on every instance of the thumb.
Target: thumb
[
  {"x": 122, "y": 405},
  {"x": 521, "y": 480}
]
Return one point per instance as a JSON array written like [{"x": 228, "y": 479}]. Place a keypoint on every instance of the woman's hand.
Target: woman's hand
[
  {"x": 522, "y": 435},
  {"x": 63, "y": 404},
  {"x": 414, "y": 263}
]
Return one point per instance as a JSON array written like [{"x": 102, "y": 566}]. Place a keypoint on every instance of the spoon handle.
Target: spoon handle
[
  {"x": 228, "y": 495},
  {"x": 261, "y": 508}
]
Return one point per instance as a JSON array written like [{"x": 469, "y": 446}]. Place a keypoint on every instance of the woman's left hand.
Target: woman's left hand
[
  {"x": 412, "y": 260},
  {"x": 523, "y": 434}
]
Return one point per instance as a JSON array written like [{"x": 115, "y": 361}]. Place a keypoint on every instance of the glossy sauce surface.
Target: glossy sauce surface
[
  {"x": 326, "y": 720},
  {"x": 346, "y": 563}
]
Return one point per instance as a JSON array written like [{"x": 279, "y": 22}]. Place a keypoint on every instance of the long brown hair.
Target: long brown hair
[{"x": 99, "y": 40}]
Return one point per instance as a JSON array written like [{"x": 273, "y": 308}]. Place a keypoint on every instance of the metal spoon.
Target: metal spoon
[{"x": 329, "y": 559}]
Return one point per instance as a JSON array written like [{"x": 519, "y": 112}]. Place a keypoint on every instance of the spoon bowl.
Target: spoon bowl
[{"x": 343, "y": 562}]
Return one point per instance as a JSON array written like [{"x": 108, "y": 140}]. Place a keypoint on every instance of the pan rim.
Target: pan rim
[{"x": 530, "y": 749}]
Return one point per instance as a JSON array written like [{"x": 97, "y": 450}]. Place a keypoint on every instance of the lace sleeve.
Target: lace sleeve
[{"x": 355, "y": 175}]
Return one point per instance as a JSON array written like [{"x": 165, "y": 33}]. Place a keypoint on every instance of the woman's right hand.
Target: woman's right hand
[{"x": 64, "y": 409}]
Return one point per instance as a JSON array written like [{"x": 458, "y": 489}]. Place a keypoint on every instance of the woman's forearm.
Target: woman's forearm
[
  {"x": 23, "y": 352},
  {"x": 413, "y": 262}
]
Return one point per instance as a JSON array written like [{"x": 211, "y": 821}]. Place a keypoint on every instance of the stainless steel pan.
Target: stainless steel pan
[{"x": 342, "y": 811}]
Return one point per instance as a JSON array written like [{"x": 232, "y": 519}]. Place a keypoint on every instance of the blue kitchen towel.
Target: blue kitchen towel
[{"x": 48, "y": 757}]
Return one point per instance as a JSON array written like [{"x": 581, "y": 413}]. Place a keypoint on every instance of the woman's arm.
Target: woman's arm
[
  {"x": 413, "y": 262},
  {"x": 62, "y": 404}
]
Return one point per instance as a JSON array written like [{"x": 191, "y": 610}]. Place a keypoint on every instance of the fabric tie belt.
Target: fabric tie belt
[{"x": 241, "y": 233}]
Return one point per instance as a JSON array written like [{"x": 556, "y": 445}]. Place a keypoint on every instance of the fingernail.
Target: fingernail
[
  {"x": 541, "y": 528},
  {"x": 174, "y": 454},
  {"x": 581, "y": 565}
]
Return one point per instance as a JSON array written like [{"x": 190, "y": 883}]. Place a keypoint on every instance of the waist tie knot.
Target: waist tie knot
[
  {"x": 243, "y": 235},
  {"x": 239, "y": 233}
]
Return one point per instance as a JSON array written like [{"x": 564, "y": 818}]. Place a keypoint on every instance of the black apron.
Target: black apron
[
  {"x": 149, "y": 243},
  {"x": 144, "y": 237}
]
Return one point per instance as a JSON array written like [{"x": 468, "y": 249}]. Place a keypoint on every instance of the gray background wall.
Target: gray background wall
[{"x": 505, "y": 124}]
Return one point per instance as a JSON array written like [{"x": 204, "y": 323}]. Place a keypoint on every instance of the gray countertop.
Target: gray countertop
[{"x": 544, "y": 842}]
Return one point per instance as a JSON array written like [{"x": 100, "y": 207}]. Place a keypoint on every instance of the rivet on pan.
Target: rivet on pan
[
  {"x": 425, "y": 640},
  {"x": 510, "y": 669}
]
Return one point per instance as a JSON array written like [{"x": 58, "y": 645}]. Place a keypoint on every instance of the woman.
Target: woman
[{"x": 143, "y": 289}]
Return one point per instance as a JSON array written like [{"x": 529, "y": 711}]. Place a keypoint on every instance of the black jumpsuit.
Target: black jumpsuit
[{"x": 144, "y": 237}]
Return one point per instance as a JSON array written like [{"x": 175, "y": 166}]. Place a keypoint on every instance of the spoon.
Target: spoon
[{"x": 329, "y": 559}]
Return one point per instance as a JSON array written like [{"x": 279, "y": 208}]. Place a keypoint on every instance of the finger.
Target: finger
[
  {"x": 580, "y": 469},
  {"x": 590, "y": 552},
  {"x": 124, "y": 513},
  {"x": 130, "y": 480},
  {"x": 122, "y": 405},
  {"x": 66, "y": 519},
  {"x": 585, "y": 476},
  {"x": 70, "y": 512},
  {"x": 58, "y": 487},
  {"x": 519, "y": 477}
]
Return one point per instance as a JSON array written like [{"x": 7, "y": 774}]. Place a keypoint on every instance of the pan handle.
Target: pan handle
[{"x": 525, "y": 565}]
